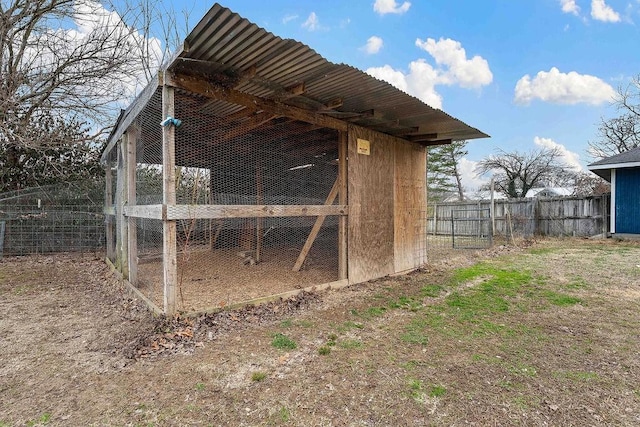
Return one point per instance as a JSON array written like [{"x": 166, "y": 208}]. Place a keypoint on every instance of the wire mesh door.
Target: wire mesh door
[{"x": 471, "y": 228}]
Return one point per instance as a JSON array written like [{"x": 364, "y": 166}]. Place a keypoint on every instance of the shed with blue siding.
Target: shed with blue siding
[{"x": 623, "y": 172}]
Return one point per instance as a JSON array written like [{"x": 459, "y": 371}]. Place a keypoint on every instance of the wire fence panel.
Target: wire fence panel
[
  {"x": 231, "y": 166},
  {"x": 471, "y": 228},
  {"x": 49, "y": 229}
]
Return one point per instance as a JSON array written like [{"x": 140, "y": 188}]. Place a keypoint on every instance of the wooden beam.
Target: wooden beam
[
  {"x": 343, "y": 200},
  {"x": 175, "y": 212},
  {"x": 200, "y": 86},
  {"x": 132, "y": 234},
  {"x": 169, "y": 245},
  {"x": 109, "y": 211},
  {"x": 437, "y": 142},
  {"x": 121, "y": 202},
  {"x": 420, "y": 138},
  {"x": 251, "y": 211},
  {"x": 316, "y": 228},
  {"x": 296, "y": 90},
  {"x": 334, "y": 103}
]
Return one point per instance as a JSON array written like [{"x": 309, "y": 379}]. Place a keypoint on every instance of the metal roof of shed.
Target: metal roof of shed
[
  {"x": 241, "y": 55},
  {"x": 628, "y": 159}
]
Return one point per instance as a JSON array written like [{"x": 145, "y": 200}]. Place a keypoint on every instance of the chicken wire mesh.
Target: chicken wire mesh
[{"x": 229, "y": 156}]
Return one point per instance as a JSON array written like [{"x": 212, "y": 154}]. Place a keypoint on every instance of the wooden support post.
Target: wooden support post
[
  {"x": 121, "y": 201},
  {"x": 316, "y": 228},
  {"x": 343, "y": 200},
  {"x": 169, "y": 248},
  {"x": 258, "y": 257},
  {"x": 108, "y": 203},
  {"x": 132, "y": 240}
]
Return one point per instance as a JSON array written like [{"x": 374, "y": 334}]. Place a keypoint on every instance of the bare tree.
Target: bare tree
[
  {"x": 589, "y": 184},
  {"x": 516, "y": 173},
  {"x": 69, "y": 65},
  {"x": 622, "y": 133}
]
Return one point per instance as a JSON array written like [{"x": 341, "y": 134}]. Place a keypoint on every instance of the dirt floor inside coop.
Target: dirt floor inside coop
[{"x": 215, "y": 279}]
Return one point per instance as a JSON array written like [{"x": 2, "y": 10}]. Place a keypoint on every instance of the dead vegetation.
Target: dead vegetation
[{"x": 543, "y": 335}]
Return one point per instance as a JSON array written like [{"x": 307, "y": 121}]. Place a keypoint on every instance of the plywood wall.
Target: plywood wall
[
  {"x": 410, "y": 205},
  {"x": 387, "y": 199},
  {"x": 371, "y": 211}
]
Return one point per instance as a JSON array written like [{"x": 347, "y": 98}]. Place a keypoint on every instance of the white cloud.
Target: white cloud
[
  {"x": 374, "y": 44},
  {"x": 289, "y": 18},
  {"x": 470, "y": 180},
  {"x": 312, "y": 23},
  {"x": 383, "y": 7},
  {"x": 571, "y": 159},
  {"x": 563, "y": 88},
  {"x": 468, "y": 73},
  {"x": 570, "y": 6},
  {"x": 453, "y": 68},
  {"x": 600, "y": 11},
  {"x": 419, "y": 82}
]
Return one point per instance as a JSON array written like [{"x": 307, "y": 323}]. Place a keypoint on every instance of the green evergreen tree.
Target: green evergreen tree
[{"x": 443, "y": 173}]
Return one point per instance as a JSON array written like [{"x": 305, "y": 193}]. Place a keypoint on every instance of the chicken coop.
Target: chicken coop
[{"x": 253, "y": 168}]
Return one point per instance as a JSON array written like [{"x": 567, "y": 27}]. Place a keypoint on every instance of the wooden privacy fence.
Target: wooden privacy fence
[{"x": 562, "y": 216}]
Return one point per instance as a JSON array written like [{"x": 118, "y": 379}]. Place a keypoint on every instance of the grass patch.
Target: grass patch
[
  {"x": 200, "y": 386},
  {"x": 283, "y": 342},
  {"x": 287, "y": 323},
  {"x": 369, "y": 313},
  {"x": 437, "y": 391},
  {"x": 561, "y": 300},
  {"x": 406, "y": 303},
  {"x": 578, "y": 376},
  {"x": 350, "y": 344},
  {"x": 44, "y": 419},
  {"x": 324, "y": 350},
  {"x": 258, "y": 376},
  {"x": 432, "y": 291},
  {"x": 285, "y": 414},
  {"x": 348, "y": 325}
]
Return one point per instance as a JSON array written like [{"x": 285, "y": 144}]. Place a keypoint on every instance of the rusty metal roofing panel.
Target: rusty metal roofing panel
[{"x": 239, "y": 54}]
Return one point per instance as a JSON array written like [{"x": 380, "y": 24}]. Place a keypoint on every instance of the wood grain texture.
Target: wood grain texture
[
  {"x": 371, "y": 189},
  {"x": 410, "y": 205}
]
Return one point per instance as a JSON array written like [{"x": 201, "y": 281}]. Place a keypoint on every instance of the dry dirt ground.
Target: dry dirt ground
[{"x": 545, "y": 334}]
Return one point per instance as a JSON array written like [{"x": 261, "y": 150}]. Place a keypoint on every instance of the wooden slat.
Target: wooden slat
[
  {"x": 144, "y": 211},
  {"x": 343, "y": 200},
  {"x": 251, "y": 211},
  {"x": 109, "y": 210},
  {"x": 176, "y": 212},
  {"x": 202, "y": 87},
  {"x": 169, "y": 245},
  {"x": 132, "y": 239},
  {"x": 121, "y": 203},
  {"x": 316, "y": 228}
]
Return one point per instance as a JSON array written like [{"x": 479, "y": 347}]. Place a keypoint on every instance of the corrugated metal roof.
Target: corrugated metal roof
[{"x": 257, "y": 62}]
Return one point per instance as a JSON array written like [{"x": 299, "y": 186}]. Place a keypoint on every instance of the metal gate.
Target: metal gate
[{"x": 471, "y": 228}]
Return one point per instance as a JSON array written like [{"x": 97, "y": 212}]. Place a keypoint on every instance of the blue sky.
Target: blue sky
[{"x": 530, "y": 73}]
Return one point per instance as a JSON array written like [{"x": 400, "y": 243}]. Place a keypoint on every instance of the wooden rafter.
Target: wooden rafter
[{"x": 209, "y": 90}]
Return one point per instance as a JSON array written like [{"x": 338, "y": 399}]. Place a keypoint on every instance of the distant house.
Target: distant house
[
  {"x": 549, "y": 192},
  {"x": 623, "y": 172}
]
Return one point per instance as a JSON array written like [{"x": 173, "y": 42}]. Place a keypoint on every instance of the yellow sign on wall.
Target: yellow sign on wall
[{"x": 364, "y": 147}]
